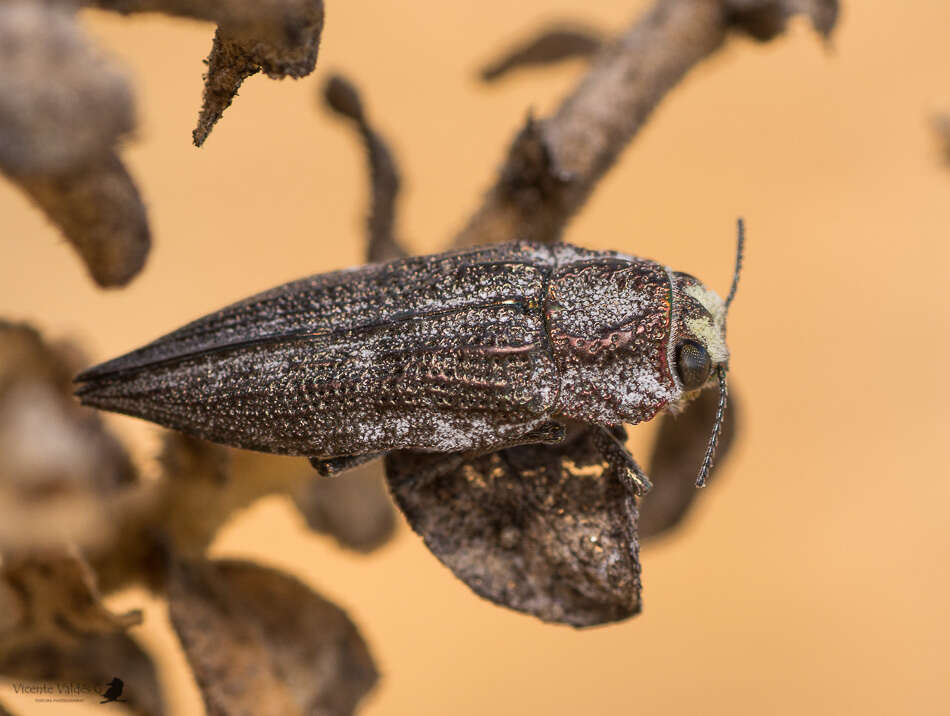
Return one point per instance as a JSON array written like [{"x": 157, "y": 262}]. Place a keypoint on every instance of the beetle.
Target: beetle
[{"x": 470, "y": 352}]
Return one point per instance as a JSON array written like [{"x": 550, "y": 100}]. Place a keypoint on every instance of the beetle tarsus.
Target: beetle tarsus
[
  {"x": 333, "y": 466},
  {"x": 621, "y": 462}
]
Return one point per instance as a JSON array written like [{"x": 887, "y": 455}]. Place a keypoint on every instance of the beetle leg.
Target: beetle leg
[
  {"x": 332, "y": 466},
  {"x": 550, "y": 433},
  {"x": 620, "y": 460}
]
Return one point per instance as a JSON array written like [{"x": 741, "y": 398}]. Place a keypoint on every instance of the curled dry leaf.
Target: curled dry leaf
[
  {"x": 680, "y": 446},
  {"x": 343, "y": 98},
  {"x": 354, "y": 508},
  {"x": 63, "y": 478},
  {"x": 99, "y": 210},
  {"x": 54, "y": 599},
  {"x": 63, "y": 108},
  {"x": 553, "y": 44},
  {"x": 260, "y": 642},
  {"x": 544, "y": 529},
  {"x": 93, "y": 662}
]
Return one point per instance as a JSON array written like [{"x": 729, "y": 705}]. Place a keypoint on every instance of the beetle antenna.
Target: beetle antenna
[
  {"x": 717, "y": 429},
  {"x": 740, "y": 250}
]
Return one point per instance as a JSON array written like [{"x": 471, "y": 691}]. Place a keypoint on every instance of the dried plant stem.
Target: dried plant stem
[{"x": 534, "y": 199}]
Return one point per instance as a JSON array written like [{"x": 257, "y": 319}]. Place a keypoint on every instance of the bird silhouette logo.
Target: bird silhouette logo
[{"x": 113, "y": 691}]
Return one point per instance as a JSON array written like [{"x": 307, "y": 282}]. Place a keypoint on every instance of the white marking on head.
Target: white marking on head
[{"x": 711, "y": 333}]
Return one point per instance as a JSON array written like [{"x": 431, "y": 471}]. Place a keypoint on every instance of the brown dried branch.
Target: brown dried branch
[
  {"x": 279, "y": 37},
  {"x": 581, "y": 141},
  {"x": 281, "y": 43},
  {"x": 63, "y": 109},
  {"x": 556, "y": 43},
  {"x": 343, "y": 98},
  {"x": 679, "y": 448},
  {"x": 261, "y": 642}
]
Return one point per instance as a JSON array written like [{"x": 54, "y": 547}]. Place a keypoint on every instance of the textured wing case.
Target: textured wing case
[{"x": 445, "y": 352}]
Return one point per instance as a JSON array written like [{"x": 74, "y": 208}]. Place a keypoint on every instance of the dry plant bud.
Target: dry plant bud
[
  {"x": 94, "y": 660},
  {"x": 343, "y": 98},
  {"x": 680, "y": 444},
  {"x": 556, "y": 43},
  {"x": 354, "y": 508},
  {"x": 543, "y": 529},
  {"x": 261, "y": 642},
  {"x": 63, "y": 478}
]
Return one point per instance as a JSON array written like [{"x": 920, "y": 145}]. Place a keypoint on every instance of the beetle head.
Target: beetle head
[{"x": 697, "y": 351}]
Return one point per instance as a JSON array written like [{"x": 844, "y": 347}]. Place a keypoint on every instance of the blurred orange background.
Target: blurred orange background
[{"x": 813, "y": 577}]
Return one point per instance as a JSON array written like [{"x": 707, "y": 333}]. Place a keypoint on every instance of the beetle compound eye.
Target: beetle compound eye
[{"x": 692, "y": 365}]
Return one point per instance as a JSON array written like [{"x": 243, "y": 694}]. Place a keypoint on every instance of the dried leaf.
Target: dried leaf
[
  {"x": 99, "y": 210},
  {"x": 677, "y": 453},
  {"x": 94, "y": 662},
  {"x": 354, "y": 508},
  {"x": 56, "y": 600},
  {"x": 547, "y": 530},
  {"x": 342, "y": 97},
  {"x": 62, "y": 103},
  {"x": 260, "y": 642},
  {"x": 553, "y": 44}
]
